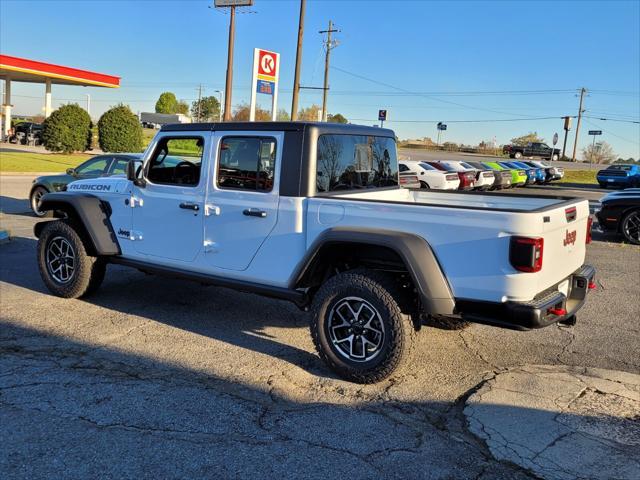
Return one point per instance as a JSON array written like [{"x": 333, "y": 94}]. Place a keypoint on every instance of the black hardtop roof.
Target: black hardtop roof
[{"x": 321, "y": 127}]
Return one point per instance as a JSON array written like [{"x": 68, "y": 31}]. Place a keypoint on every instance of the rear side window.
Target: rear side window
[
  {"x": 350, "y": 162},
  {"x": 247, "y": 163}
]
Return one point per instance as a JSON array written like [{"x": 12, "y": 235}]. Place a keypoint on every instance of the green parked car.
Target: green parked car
[
  {"x": 518, "y": 177},
  {"x": 98, "y": 166}
]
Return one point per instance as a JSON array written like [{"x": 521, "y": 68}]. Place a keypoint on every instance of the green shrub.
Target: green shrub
[
  {"x": 119, "y": 130},
  {"x": 68, "y": 129}
]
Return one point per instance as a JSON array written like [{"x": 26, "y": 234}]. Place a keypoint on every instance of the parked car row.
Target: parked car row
[{"x": 476, "y": 174}]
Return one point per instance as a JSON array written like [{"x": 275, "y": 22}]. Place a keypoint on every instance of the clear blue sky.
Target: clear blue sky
[{"x": 420, "y": 46}]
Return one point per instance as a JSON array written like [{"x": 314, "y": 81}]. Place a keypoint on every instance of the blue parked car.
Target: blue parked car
[
  {"x": 539, "y": 174},
  {"x": 619, "y": 175},
  {"x": 531, "y": 172}
]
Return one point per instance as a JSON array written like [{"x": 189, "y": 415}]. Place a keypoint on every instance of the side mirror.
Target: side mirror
[
  {"x": 132, "y": 173},
  {"x": 72, "y": 172}
]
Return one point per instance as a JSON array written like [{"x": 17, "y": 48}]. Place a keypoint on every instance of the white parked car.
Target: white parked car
[
  {"x": 431, "y": 177},
  {"x": 484, "y": 179}
]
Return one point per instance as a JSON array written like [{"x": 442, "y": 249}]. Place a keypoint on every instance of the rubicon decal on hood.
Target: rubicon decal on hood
[{"x": 90, "y": 186}]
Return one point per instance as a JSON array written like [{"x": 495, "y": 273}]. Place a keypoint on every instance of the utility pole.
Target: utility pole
[
  {"x": 567, "y": 127},
  {"x": 199, "y": 101},
  {"x": 296, "y": 78},
  {"x": 325, "y": 90},
  {"x": 227, "y": 90},
  {"x": 575, "y": 143},
  {"x": 88, "y": 104}
]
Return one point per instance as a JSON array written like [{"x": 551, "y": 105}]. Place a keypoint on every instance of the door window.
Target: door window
[
  {"x": 176, "y": 161},
  {"x": 93, "y": 167},
  {"x": 247, "y": 163}
]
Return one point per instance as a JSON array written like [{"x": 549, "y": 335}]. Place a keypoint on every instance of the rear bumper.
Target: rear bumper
[
  {"x": 547, "y": 308},
  {"x": 615, "y": 180}
]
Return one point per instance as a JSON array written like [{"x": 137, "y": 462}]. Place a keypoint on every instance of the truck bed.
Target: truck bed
[{"x": 470, "y": 234}]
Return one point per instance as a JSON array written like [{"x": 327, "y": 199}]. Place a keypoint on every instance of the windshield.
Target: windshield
[{"x": 349, "y": 162}]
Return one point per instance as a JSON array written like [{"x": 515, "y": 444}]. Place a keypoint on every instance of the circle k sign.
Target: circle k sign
[{"x": 267, "y": 63}]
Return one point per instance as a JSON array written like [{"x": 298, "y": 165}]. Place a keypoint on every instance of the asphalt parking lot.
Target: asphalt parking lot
[{"x": 158, "y": 378}]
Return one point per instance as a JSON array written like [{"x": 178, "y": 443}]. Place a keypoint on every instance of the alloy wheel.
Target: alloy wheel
[
  {"x": 356, "y": 329},
  {"x": 631, "y": 227},
  {"x": 61, "y": 260}
]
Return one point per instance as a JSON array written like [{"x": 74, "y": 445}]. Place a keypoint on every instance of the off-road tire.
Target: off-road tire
[
  {"x": 382, "y": 292},
  {"x": 88, "y": 271},
  {"x": 34, "y": 198},
  {"x": 627, "y": 229}
]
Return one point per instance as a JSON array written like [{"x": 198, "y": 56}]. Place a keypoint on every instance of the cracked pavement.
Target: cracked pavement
[{"x": 159, "y": 378}]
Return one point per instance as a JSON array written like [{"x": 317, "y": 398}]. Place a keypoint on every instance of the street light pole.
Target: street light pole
[{"x": 229, "y": 81}]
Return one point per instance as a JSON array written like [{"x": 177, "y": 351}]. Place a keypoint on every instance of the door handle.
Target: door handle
[
  {"x": 190, "y": 206},
  {"x": 252, "y": 212}
]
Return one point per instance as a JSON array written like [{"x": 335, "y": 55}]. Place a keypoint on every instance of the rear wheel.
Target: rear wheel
[
  {"x": 603, "y": 185},
  {"x": 517, "y": 155},
  {"x": 424, "y": 184},
  {"x": 36, "y": 197},
  {"x": 358, "y": 327},
  {"x": 555, "y": 157},
  {"x": 630, "y": 227},
  {"x": 65, "y": 267}
]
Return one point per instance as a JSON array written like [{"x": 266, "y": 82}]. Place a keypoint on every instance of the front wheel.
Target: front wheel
[
  {"x": 65, "y": 267},
  {"x": 630, "y": 227},
  {"x": 555, "y": 157},
  {"x": 517, "y": 155},
  {"x": 358, "y": 327},
  {"x": 36, "y": 197}
]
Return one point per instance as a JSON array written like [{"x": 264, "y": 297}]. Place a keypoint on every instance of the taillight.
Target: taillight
[
  {"x": 451, "y": 177},
  {"x": 525, "y": 253},
  {"x": 589, "y": 226}
]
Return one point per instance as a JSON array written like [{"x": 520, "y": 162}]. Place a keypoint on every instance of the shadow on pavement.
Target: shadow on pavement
[
  {"x": 15, "y": 206},
  {"x": 72, "y": 409}
]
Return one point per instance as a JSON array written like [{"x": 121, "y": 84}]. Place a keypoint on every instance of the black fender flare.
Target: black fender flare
[
  {"x": 92, "y": 214},
  {"x": 416, "y": 253}
]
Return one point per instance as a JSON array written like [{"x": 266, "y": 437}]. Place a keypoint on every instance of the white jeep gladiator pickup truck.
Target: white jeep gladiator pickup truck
[{"x": 313, "y": 213}]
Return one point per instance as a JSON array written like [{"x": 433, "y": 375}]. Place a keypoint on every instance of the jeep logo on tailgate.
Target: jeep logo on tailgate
[
  {"x": 570, "y": 238},
  {"x": 84, "y": 186}
]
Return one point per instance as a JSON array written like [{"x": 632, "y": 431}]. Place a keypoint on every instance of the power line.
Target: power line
[
  {"x": 466, "y": 121},
  {"x": 425, "y": 95},
  {"x": 612, "y": 134},
  {"x": 613, "y": 119}
]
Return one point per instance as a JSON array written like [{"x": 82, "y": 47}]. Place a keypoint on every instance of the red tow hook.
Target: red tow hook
[
  {"x": 592, "y": 285},
  {"x": 557, "y": 311}
]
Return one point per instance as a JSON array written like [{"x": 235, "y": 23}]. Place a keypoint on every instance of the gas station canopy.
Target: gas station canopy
[
  {"x": 24, "y": 70},
  {"x": 16, "y": 69}
]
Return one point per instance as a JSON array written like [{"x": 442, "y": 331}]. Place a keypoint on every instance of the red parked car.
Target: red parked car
[{"x": 467, "y": 179}]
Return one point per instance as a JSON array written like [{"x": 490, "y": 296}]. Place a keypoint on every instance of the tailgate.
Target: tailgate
[{"x": 564, "y": 233}]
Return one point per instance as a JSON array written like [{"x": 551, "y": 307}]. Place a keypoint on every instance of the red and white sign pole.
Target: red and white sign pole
[{"x": 266, "y": 72}]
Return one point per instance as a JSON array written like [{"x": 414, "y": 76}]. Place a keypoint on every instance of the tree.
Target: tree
[
  {"x": 529, "y": 137},
  {"x": 309, "y": 114},
  {"x": 599, "y": 153},
  {"x": 182, "y": 107},
  {"x": 241, "y": 114},
  {"x": 68, "y": 129},
  {"x": 167, "y": 103},
  {"x": 119, "y": 130},
  {"x": 629, "y": 160},
  {"x": 283, "y": 115},
  {"x": 337, "y": 118},
  {"x": 209, "y": 110}
]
